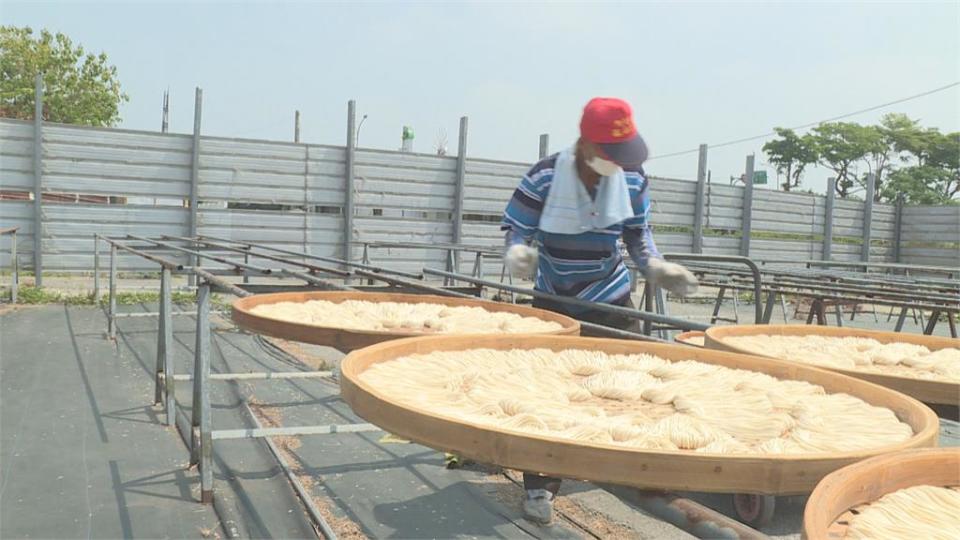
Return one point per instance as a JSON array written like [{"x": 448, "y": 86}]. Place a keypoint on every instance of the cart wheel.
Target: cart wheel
[{"x": 754, "y": 510}]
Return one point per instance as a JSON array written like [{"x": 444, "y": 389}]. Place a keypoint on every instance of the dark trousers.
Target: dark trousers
[
  {"x": 593, "y": 316},
  {"x": 549, "y": 483}
]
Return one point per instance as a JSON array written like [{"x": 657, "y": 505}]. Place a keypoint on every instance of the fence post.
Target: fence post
[
  {"x": 747, "y": 220},
  {"x": 700, "y": 200},
  {"x": 96, "y": 268},
  {"x": 897, "y": 228},
  {"x": 165, "y": 341},
  {"x": 112, "y": 309},
  {"x": 828, "y": 219},
  {"x": 38, "y": 181},
  {"x": 544, "y": 145},
  {"x": 195, "y": 174},
  {"x": 868, "y": 218},
  {"x": 15, "y": 275},
  {"x": 459, "y": 191},
  {"x": 348, "y": 188}
]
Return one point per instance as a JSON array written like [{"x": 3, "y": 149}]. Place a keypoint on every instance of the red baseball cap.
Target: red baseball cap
[{"x": 608, "y": 122}]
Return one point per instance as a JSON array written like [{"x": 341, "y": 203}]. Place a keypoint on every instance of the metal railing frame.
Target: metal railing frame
[{"x": 197, "y": 430}]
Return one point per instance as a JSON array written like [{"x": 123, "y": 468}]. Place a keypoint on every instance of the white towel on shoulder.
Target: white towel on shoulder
[{"x": 569, "y": 208}]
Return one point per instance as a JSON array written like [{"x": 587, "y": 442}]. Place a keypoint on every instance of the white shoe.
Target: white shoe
[{"x": 538, "y": 506}]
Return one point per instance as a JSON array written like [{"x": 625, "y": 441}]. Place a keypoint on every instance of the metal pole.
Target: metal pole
[
  {"x": 96, "y": 268},
  {"x": 296, "y": 127},
  {"x": 201, "y": 395},
  {"x": 544, "y": 145},
  {"x": 195, "y": 174},
  {"x": 349, "y": 187},
  {"x": 165, "y": 122},
  {"x": 460, "y": 188},
  {"x": 328, "y": 533},
  {"x": 567, "y": 300},
  {"x": 700, "y": 200},
  {"x": 868, "y": 218},
  {"x": 648, "y": 305},
  {"x": 897, "y": 228},
  {"x": 166, "y": 338},
  {"x": 685, "y": 514},
  {"x": 828, "y": 219},
  {"x": 747, "y": 220},
  {"x": 38, "y": 181},
  {"x": 112, "y": 310},
  {"x": 15, "y": 275},
  {"x": 160, "y": 372}
]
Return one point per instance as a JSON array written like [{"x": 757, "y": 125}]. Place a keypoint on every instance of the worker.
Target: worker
[{"x": 564, "y": 226}]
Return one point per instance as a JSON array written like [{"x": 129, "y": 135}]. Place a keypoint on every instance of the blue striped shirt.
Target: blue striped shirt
[{"x": 588, "y": 265}]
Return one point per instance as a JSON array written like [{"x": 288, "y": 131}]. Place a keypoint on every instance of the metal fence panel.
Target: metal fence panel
[
  {"x": 293, "y": 195},
  {"x": 69, "y": 229}
]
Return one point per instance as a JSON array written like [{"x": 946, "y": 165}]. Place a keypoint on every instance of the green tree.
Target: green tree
[
  {"x": 840, "y": 146},
  {"x": 920, "y": 184},
  {"x": 933, "y": 176},
  {"x": 791, "y": 154},
  {"x": 79, "y": 87}
]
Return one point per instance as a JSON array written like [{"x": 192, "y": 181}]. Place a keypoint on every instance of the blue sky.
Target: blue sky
[{"x": 695, "y": 72}]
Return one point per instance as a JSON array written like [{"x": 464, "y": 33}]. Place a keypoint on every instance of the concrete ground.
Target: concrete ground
[
  {"x": 82, "y": 452},
  {"x": 85, "y": 453},
  {"x": 78, "y": 424}
]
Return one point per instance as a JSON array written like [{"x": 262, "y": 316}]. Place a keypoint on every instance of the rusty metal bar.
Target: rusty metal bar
[
  {"x": 301, "y": 254},
  {"x": 247, "y": 253},
  {"x": 200, "y": 255},
  {"x": 686, "y": 514},
  {"x": 619, "y": 310}
]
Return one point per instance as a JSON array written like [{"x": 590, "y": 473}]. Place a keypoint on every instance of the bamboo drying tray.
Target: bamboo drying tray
[
  {"x": 828, "y": 510},
  {"x": 772, "y": 475},
  {"x": 693, "y": 337},
  {"x": 928, "y": 391},
  {"x": 345, "y": 339}
]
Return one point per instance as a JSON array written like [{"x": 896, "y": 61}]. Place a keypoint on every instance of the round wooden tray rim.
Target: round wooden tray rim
[{"x": 379, "y": 409}]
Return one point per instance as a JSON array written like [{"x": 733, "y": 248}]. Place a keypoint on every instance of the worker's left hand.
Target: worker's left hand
[{"x": 671, "y": 276}]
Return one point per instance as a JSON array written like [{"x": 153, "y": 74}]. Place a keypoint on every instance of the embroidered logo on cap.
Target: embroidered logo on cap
[{"x": 622, "y": 127}]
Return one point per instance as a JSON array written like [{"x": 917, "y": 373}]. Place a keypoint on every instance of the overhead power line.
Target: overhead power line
[{"x": 811, "y": 124}]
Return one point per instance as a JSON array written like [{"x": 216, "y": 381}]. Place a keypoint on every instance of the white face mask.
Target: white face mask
[{"x": 603, "y": 167}]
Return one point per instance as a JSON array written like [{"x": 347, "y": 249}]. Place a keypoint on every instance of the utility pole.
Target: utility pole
[
  {"x": 165, "y": 121},
  {"x": 296, "y": 127}
]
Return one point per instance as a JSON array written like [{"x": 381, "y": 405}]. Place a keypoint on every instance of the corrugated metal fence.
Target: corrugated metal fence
[{"x": 294, "y": 195}]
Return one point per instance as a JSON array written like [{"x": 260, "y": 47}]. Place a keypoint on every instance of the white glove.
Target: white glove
[
  {"x": 522, "y": 261},
  {"x": 671, "y": 276}
]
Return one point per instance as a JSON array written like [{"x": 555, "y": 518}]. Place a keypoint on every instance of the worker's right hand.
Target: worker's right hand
[{"x": 522, "y": 261}]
